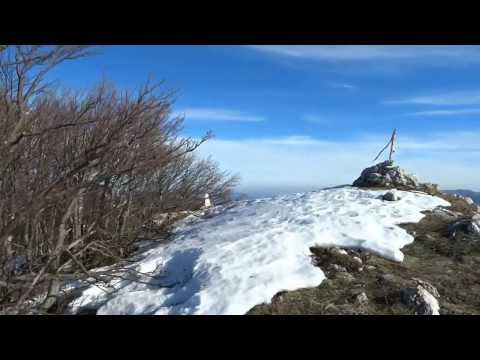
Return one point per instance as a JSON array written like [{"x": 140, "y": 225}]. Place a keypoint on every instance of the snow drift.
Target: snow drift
[{"x": 239, "y": 256}]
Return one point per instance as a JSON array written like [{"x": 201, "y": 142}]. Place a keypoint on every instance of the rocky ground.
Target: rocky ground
[{"x": 439, "y": 275}]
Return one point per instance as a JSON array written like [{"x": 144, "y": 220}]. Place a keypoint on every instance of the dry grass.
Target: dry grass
[{"x": 451, "y": 265}]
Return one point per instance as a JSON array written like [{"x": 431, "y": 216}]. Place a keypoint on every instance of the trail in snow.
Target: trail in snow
[{"x": 242, "y": 255}]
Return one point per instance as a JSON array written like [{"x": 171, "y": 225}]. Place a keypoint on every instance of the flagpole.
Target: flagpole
[{"x": 392, "y": 144}]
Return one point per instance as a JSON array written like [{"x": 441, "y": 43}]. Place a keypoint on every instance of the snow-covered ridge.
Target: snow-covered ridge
[{"x": 241, "y": 255}]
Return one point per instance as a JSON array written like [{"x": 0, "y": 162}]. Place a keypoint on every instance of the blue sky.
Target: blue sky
[{"x": 302, "y": 117}]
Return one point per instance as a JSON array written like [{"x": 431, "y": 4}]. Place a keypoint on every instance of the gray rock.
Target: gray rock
[
  {"x": 466, "y": 226},
  {"x": 357, "y": 259},
  {"x": 427, "y": 286},
  {"x": 445, "y": 214},
  {"x": 388, "y": 175},
  {"x": 390, "y": 196},
  {"x": 337, "y": 268},
  {"x": 385, "y": 174},
  {"x": 330, "y": 258},
  {"x": 361, "y": 299},
  {"x": 467, "y": 199},
  {"x": 375, "y": 178},
  {"x": 339, "y": 251},
  {"x": 420, "y": 301},
  {"x": 279, "y": 297}
]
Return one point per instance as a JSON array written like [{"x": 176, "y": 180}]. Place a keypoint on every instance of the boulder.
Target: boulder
[
  {"x": 357, "y": 259},
  {"x": 427, "y": 286},
  {"x": 386, "y": 174},
  {"x": 390, "y": 196},
  {"x": 445, "y": 214},
  {"x": 466, "y": 226},
  {"x": 421, "y": 301}
]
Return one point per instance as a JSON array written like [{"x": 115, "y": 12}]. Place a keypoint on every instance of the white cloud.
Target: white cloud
[
  {"x": 342, "y": 86},
  {"x": 303, "y": 162},
  {"x": 443, "y": 53},
  {"x": 454, "y": 98},
  {"x": 218, "y": 115},
  {"x": 446, "y": 112},
  {"x": 292, "y": 140}
]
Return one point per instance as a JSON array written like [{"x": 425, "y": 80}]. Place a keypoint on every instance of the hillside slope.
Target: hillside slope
[
  {"x": 445, "y": 262},
  {"x": 234, "y": 258}
]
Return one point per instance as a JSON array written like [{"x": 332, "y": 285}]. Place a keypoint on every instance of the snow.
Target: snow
[{"x": 238, "y": 256}]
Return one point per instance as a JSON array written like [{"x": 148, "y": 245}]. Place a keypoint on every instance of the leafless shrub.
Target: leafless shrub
[{"x": 81, "y": 174}]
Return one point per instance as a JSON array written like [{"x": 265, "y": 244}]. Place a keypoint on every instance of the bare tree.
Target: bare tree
[{"x": 82, "y": 173}]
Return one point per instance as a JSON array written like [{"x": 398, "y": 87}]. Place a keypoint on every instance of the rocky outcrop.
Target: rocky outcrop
[
  {"x": 388, "y": 175},
  {"x": 341, "y": 264},
  {"x": 336, "y": 260},
  {"x": 469, "y": 227},
  {"x": 467, "y": 199},
  {"x": 443, "y": 259},
  {"x": 421, "y": 300},
  {"x": 355, "y": 286},
  {"x": 445, "y": 214}
]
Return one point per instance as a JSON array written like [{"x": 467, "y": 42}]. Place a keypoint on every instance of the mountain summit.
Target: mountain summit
[
  {"x": 344, "y": 250},
  {"x": 388, "y": 175}
]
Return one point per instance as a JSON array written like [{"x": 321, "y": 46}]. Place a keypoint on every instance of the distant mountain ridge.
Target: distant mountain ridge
[
  {"x": 474, "y": 195},
  {"x": 263, "y": 193}
]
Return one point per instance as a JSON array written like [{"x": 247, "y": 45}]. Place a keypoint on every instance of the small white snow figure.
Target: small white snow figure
[{"x": 208, "y": 203}]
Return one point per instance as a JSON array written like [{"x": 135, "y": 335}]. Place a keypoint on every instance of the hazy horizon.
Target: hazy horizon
[{"x": 255, "y": 193}]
